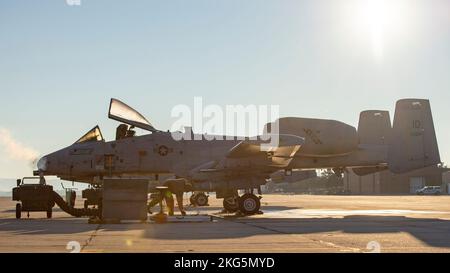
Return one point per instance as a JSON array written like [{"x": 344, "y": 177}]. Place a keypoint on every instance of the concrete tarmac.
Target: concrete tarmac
[{"x": 290, "y": 223}]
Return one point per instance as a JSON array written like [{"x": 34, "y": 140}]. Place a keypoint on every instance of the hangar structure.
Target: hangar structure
[
  {"x": 446, "y": 182},
  {"x": 386, "y": 182}
]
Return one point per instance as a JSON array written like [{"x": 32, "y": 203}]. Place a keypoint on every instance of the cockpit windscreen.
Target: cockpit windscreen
[{"x": 93, "y": 135}]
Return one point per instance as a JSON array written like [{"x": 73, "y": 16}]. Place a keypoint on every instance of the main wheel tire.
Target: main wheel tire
[
  {"x": 249, "y": 204},
  {"x": 192, "y": 199},
  {"x": 230, "y": 204},
  {"x": 18, "y": 211},
  {"x": 201, "y": 199},
  {"x": 49, "y": 213}
]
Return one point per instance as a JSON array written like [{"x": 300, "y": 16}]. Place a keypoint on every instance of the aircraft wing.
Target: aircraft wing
[
  {"x": 287, "y": 147},
  {"x": 237, "y": 158},
  {"x": 284, "y": 155}
]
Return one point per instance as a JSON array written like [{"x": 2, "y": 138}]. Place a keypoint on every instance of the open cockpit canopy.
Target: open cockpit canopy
[
  {"x": 93, "y": 135},
  {"x": 121, "y": 112}
]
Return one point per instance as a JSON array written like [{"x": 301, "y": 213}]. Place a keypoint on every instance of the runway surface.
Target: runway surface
[{"x": 290, "y": 223}]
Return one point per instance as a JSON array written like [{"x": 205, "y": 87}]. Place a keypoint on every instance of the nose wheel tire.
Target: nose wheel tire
[
  {"x": 18, "y": 211},
  {"x": 230, "y": 204},
  {"x": 249, "y": 204}
]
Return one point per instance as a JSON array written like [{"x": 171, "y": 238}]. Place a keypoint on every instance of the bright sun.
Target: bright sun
[{"x": 380, "y": 21}]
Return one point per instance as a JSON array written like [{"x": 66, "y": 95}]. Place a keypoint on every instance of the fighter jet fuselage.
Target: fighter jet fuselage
[
  {"x": 158, "y": 153},
  {"x": 229, "y": 164}
]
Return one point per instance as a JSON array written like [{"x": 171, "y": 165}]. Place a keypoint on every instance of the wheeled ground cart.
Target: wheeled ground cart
[{"x": 33, "y": 196}]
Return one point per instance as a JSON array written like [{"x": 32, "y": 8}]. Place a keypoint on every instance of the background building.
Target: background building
[
  {"x": 446, "y": 182},
  {"x": 386, "y": 182}
]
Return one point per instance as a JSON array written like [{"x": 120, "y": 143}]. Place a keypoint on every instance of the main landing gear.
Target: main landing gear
[
  {"x": 247, "y": 204},
  {"x": 231, "y": 204}
]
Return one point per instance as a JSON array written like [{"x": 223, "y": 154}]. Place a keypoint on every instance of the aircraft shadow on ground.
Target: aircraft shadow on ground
[
  {"x": 189, "y": 208},
  {"x": 434, "y": 232},
  {"x": 37, "y": 224}
]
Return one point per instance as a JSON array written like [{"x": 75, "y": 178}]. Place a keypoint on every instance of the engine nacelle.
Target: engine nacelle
[{"x": 322, "y": 137}]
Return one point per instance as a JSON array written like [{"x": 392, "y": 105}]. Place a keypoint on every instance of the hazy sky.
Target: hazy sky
[{"x": 60, "y": 64}]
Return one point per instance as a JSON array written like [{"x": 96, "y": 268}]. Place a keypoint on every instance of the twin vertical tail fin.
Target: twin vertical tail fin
[
  {"x": 374, "y": 127},
  {"x": 413, "y": 143}
]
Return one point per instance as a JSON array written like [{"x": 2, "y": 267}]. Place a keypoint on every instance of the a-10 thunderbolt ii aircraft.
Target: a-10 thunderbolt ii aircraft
[{"x": 227, "y": 166}]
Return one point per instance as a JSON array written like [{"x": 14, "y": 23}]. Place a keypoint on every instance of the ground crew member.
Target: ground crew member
[
  {"x": 176, "y": 186},
  {"x": 170, "y": 202},
  {"x": 156, "y": 198}
]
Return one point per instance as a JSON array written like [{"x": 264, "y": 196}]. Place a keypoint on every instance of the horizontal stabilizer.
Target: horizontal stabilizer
[{"x": 361, "y": 171}]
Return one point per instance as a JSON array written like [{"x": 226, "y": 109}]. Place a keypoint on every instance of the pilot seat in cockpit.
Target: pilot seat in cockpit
[{"x": 124, "y": 131}]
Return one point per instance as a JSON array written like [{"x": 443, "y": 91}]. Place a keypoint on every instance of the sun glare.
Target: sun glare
[{"x": 380, "y": 22}]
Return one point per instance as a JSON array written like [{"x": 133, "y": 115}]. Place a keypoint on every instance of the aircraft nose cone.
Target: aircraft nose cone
[{"x": 42, "y": 164}]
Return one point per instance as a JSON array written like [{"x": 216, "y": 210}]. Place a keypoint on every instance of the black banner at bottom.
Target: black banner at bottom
[{"x": 202, "y": 262}]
